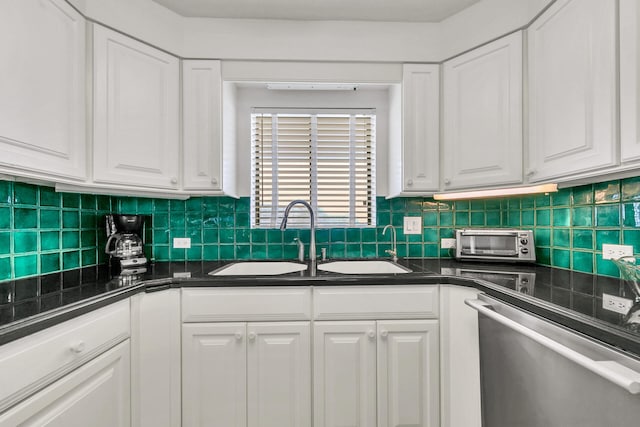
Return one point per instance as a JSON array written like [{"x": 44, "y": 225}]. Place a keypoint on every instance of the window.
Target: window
[{"x": 326, "y": 159}]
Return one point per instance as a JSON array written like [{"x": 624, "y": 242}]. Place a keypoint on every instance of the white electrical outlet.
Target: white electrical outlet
[
  {"x": 447, "y": 243},
  {"x": 616, "y": 251},
  {"x": 412, "y": 225},
  {"x": 617, "y": 304},
  {"x": 182, "y": 242}
]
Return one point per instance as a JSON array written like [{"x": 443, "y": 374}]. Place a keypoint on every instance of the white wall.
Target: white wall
[{"x": 250, "y": 97}]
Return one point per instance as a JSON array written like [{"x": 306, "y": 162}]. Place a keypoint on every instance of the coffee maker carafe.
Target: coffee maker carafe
[{"x": 125, "y": 246}]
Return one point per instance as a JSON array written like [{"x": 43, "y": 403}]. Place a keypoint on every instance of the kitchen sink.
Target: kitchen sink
[
  {"x": 259, "y": 268},
  {"x": 363, "y": 267}
]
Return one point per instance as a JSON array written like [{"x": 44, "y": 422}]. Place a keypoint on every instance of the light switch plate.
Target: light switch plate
[
  {"x": 182, "y": 242},
  {"x": 412, "y": 225}
]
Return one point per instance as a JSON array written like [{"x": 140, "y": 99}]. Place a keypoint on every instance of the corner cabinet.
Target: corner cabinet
[
  {"x": 136, "y": 140},
  {"x": 42, "y": 107},
  {"x": 482, "y": 97},
  {"x": 629, "y": 81},
  {"x": 417, "y": 155},
  {"x": 572, "y": 89}
]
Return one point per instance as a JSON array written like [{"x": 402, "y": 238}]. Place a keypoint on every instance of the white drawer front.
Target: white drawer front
[
  {"x": 30, "y": 363},
  {"x": 375, "y": 302},
  {"x": 245, "y": 304}
]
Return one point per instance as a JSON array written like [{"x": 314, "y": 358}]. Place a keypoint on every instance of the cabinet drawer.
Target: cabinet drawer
[
  {"x": 375, "y": 302},
  {"x": 246, "y": 304},
  {"x": 32, "y": 362}
]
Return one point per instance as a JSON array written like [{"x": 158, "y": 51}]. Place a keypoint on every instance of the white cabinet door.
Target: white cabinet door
[
  {"x": 42, "y": 106},
  {"x": 214, "y": 381},
  {"x": 202, "y": 125},
  {"x": 482, "y": 138},
  {"x": 344, "y": 374},
  {"x": 572, "y": 89},
  {"x": 408, "y": 373},
  {"x": 418, "y": 156},
  {"x": 136, "y": 112},
  {"x": 629, "y": 80},
  {"x": 279, "y": 374},
  {"x": 96, "y": 395}
]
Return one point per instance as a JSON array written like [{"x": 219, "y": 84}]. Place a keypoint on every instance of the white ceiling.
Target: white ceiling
[{"x": 342, "y": 10}]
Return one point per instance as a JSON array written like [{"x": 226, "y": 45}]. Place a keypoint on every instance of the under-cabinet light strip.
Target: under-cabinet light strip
[{"x": 497, "y": 192}]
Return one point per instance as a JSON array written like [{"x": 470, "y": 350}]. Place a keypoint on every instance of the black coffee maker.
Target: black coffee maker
[{"x": 125, "y": 244}]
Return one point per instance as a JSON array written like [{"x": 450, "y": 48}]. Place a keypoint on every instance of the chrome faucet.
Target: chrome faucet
[
  {"x": 312, "y": 229},
  {"x": 394, "y": 250}
]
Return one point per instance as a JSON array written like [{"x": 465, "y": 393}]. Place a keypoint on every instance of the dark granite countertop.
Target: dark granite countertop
[{"x": 569, "y": 298}]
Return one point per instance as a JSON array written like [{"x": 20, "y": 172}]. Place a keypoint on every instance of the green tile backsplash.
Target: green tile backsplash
[{"x": 42, "y": 231}]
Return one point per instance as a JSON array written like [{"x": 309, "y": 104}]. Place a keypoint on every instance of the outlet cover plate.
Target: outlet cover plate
[
  {"x": 412, "y": 225},
  {"x": 447, "y": 243},
  {"x": 182, "y": 242},
  {"x": 617, "y": 304},
  {"x": 616, "y": 251}
]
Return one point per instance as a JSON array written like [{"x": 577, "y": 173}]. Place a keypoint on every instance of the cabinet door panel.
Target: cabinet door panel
[
  {"x": 214, "y": 375},
  {"x": 483, "y": 115},
  {"x": 629, "y": 80},
  {"x": 279, "y": 374},
  {"x": 136, "y": 139},
  {"x": 344, "y": 374},
  {"x": 96, "y": 394},
  {"x": 572, "y": 89},
  {"x": 408, "y": 374},
  {"x": 42, "y": 107}
]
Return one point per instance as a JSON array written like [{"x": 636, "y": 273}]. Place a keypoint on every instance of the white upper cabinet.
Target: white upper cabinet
[
  {"x": 482, "y": 138},
  {"x": 418, "y": 156},
  {"x": 629, "y": 80},
  {"x": 572, "y": 89},
  {"x": 42, "y": 106},
  {"x": 202, "y": 125},
  {"x": 136, "y": 113}
]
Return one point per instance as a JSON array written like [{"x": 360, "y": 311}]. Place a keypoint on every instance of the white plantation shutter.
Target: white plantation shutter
[{"x": 325, "y": 159}]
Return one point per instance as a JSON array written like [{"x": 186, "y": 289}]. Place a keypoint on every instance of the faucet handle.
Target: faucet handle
[{"x": 323, "y": 251}]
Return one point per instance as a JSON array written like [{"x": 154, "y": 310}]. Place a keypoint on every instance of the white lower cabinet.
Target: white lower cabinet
[
  {"x": 96, "y": 395},
  {"x": 246, "y": 374}
]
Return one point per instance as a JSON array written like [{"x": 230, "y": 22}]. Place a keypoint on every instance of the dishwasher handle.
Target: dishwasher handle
[{"x": 608, "y": 369}]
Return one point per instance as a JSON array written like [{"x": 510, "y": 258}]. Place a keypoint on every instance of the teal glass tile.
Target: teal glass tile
[
  {"x": 25, "y": 194},
  {"x": 177, "y": 220},
  {"x": 104, "y": 203},
  {"x": 275, "y": 252},
  {"x": 70, "y": 239},
  {"x": 543, "y": 200},
  {"x": 88, "y": 257},
  {"x": 583, "y": 195},
  {"x": 26, "y": 265},
  {"x": 160, "y": 205},
  {"x": 194, "y": 219},
  {"x": 383, "y": 218},
  {"x": 561, "y": 237},
  {"x": 632, "y": 237},
  {"x": 582, "y": 239},
  {"x": 542, "y": 236},
  {"x": 336, "y": 250},
  {"x": 606, "y": 192},
  {"x": 210, "y": 220},
  {"x": 368, "y": 235},
  {"x": 160, "y": 221},
  {"x": 5, "y": 218},
  {"x": 210, "y": 253},
  {"x": 323, "y": 235},
  {"x": 160, "y": 237},
  {"x": 414, "y": 205},
  {"x": 608, "y": 215},
  {"x": 430, "y": 218},
  {"x": 71, "y": 260},
  {"x": 258, "y": 251},
  {"x": 414, "y": 238},
  {"x": 49, "y": 240},
  {"x": 243, "y": 204},
  {"x": 462, "y": 205},
  {"x": 383, "y": 204},
  {"x": 194, "y": 204},
  {"x": 513, "y": 204},
  {"x": 161, "y": 253},
  {"x": 274, "y": 236},
  {"x": 398, "y": 204},
  {"x": 415, "y": 250},
  {"x": 242, "y": 219},
  {"x": 461, "y": 219},
  {"x": 353, "y": 251},
  {"x": 369, "y": 250},
  {"x": 477, "y": 219},
  {"x": 5, "y": 243},
  {"x": 288, "y": 235},
  {"x": 447, "y": 233},
  {"x": 338, "y": 235},
  {"x": 605, "y": 267},
  {"x": 25, "y": 218},
  {"x": 561, "y": 258},
  {"x": 631, "y": 189},
  {"x": 430, "y": 250},
  {"x": 528, "y": 218},
  {"x": 430, "y": 235},
  {"x": 6, "y": 192},
  {"x": 227, "y": 252},
  {"x": 87, "y": 238},
  {"x": 446, "y": 219},
  {"x": 71, "y": 219},
  {"x": 195, "y": 234},
  {"x": 70, "y": 200},
  {"x": 582, "y": 261},
  {"x": 49, "y": 219},
  {"x": 177, "y": 254},
  {"x": 528, "y": 202},
  {"x": 608, "y": 237},
  {"x": 226, "y": 205},
  {"x": 477, "y": 205},
  {"x": 177, "y": 206},
  {"x": 543, "y": 217},
  {"x": 5, "y": 268},
  {"x": 493, "y": 204},
  {"x": 397, "y": 219},
  {"x": 631, "y": 215},
  {"x": 88, "y": 220},
  {"x": 210, "y": 236},
  {"x": 562, "y": 198},
  {"x": 145, "y": 206},
  {"x": 354, "y": 235},
  {"x": 291, "y": 251},
  {"x": 49, "y": 263},
  {"x": 243, "y": 235},
  {"x": 562, "y": 217},
  {"x": 582, "y": 216},
  {"x": 25, "y": 241},
  {"x": 227, "y": 220},
  {"x": 543, "y": 256},
  {"x": 48, "y": 197},
  {"x": 88, "y": 201},
  {"x": 514, "y": 219},
  {"x": 493, "y": 219},
  {"x": 194, "y": 253}
]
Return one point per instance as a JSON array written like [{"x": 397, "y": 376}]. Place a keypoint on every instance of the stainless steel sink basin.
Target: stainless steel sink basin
[
  {"x": 259, "y": 268},
  {"x": 363, "y": 267}
]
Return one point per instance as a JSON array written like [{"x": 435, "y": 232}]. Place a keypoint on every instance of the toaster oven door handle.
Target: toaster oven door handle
[
  {"x": 488, "y": 233},
  {"x": 489, "y": 252}
]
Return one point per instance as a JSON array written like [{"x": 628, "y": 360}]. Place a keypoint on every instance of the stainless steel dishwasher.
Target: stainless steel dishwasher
[{"x": 537, "y": 374}]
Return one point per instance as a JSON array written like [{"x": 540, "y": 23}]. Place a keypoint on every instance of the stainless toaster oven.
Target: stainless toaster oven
[{"x": 495, "y": 244}]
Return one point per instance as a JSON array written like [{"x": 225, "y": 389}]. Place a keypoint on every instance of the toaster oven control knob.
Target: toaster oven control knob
[
  {"x": 524, "y": 250},
  {"x": 524, "y": 241}
]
